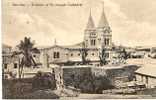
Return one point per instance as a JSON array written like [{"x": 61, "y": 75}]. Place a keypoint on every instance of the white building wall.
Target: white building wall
[
  {"x": 62, "y": 54},
  {"x": 149, "y": 81}
]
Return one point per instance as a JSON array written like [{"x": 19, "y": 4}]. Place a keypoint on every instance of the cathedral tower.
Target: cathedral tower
[
  {"x": 90, "y": 36},
  {"x": 104, "y": 32},
  {"x": 100, "y": 36}
]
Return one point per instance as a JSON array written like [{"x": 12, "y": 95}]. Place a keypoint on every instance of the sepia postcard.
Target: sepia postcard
[{"x": 78, "y": 49}]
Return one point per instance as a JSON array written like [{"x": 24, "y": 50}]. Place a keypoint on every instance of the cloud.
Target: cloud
[
  {"x": 38, "y": 28},
  {"x": 127, "y": 31},
  {"x": 67, "y": 24}
]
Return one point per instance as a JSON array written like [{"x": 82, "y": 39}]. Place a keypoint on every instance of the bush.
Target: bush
[{"x": 43, "y": 81}]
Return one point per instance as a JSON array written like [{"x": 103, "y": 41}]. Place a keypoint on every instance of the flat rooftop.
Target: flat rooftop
[{"x": 99, "y": 67}]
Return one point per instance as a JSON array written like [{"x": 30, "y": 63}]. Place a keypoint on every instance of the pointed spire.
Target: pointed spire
[
  {"x": 55, "y": 42},
  {"x": 90, "y": 24},
  {"x": 103, "y": 20}
]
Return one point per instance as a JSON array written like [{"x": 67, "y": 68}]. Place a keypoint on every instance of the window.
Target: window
[
  {"x": 71, "y": 54},
  {"x": 53, "y": 70},
  {"x": 86, "y": 43},
  {"x": 106, "y": 41},
  {"x": 93, "y": 42},
  {"x": 78, "y": 54},
  {"x": 15, "y": 65},
  {"x": 56, "y": 55},
  {"x": 5, "y": 66}
]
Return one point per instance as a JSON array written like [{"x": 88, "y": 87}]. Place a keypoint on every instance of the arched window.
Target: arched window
[
  {"x": 93, "y": 42},
  {"x": 106, "y": 41}
]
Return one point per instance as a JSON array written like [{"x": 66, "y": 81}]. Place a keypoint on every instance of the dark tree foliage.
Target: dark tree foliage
[
  {"x": 102, "y": 83},
  {"x": 69, "y": 63},
  {"x": 84, "y": 53},
  {"x": 125, "y": 54},
  {"x": 95, "y": 84},
  {"x": 89, "y": 83},
  {"x": 103, "y": 57},
  {"x": 26, "y": 48}
]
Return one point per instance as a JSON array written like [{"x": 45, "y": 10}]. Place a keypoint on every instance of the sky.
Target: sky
[{"x": 133, "y": 22}]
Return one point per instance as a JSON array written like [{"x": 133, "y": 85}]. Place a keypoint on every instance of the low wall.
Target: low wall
[
  {"x": 19, "y": 88},
  {"x": 95, "y": 78},
  {"x": 14, "y": 88}
]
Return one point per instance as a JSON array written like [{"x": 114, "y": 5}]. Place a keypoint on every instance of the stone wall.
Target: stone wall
[
  {"x": 18, "y": 88},
  {"x": 97, "y": 77},
  {"x": 74, "y": 75},
  {"x": 86, "y": 78}
]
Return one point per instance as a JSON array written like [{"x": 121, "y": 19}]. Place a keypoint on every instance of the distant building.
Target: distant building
[
  {"x": 9, "y": 63},
  {"x": 147, "y": 75}
]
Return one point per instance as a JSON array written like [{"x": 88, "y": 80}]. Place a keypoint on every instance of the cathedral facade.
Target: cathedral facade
[{"x": 95, "y": 40}]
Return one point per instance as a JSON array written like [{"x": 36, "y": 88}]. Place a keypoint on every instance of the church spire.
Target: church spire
[
  {"x": 55, "y": 41},
  {"x": 90, "y": 24},
  {"x": 103, "y": 20}
]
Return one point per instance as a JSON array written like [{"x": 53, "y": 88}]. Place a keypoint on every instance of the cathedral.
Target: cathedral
[{"x": 96, "y": 38}]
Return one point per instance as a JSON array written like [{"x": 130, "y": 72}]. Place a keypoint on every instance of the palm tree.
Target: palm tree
[{"x": 26, "y": 48}]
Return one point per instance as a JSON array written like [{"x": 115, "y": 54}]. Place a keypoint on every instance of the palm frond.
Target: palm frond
[
  {"x": 15, "y": 53},
  {"x": 35, "y": 50}
]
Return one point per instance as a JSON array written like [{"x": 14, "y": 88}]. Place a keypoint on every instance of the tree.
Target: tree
[
  {"x": 124, "y": 54},
  {"x": 102, "y": 57},
  {"x": 84, "y": 53},
  {"x": 101, "y": 83},
  {"x": 25, "y": 50}
]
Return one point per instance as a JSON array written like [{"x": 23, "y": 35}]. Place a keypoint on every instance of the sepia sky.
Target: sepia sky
[{"x": 133, "y": 22}]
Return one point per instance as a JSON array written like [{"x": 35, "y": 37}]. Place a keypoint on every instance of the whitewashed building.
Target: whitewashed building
[{"x": 147, "y": 75}]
